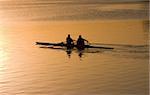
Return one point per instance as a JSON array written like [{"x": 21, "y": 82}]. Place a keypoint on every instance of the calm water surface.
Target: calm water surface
[{"x": 27, "y": 69}]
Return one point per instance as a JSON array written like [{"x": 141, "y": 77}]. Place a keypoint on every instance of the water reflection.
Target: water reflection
[
  {"x": 79, "y": 51},
  {"x": 129, "y": 51},
  {"x": 68, "y": 50}
]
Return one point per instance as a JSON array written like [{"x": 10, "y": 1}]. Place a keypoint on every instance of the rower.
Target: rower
[
  {"x": 81, "y": 42},
  {"x": 69, "y": 42}
]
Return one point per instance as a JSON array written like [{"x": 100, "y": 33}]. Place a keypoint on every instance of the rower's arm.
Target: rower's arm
[{"x": 86, "y": 40}]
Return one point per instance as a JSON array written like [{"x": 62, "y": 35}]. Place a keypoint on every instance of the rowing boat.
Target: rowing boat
[{"x": 65, "y": 45}]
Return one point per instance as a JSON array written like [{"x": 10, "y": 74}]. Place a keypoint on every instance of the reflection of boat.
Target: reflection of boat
[{"x": 64, "y": 45}]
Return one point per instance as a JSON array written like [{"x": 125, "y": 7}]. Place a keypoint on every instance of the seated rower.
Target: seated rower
[
  {"x": 69, "y": 42},
  {"x": 81, "y": 42}
]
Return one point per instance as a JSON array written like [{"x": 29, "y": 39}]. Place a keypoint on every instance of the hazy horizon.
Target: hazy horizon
[{"x": 58, "y": 10}]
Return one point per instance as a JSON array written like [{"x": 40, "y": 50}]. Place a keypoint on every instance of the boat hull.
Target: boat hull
[{"x": 72, "y": 46}]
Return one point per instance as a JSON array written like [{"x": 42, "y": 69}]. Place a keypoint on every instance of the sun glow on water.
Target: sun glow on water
[{"x": 3, "y": 53}]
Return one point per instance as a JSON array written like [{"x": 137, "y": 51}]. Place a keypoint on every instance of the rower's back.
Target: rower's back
[
  {"x": 80, "y": 42},
  {"x": 69, "y": 40}
]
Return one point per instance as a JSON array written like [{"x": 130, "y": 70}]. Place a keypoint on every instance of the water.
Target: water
[{"x": 27, "y": 69}]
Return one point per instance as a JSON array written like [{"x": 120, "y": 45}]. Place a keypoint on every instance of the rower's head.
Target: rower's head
[
  {"x": 80, "y": 36},
  {"x": 69, "y": 35}
]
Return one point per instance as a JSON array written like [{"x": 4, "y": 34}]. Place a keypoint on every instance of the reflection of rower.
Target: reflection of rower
[
  {"x": 69, "y": 42},
  {"x": 81, "y": 43}
]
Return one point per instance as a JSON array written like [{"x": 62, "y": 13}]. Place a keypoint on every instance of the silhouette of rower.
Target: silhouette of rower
[
  {"x": 69, "y": 41},
  {"x": 81, "y": 43}
]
